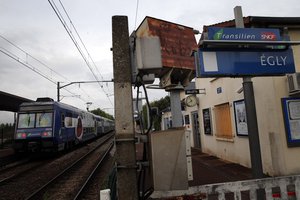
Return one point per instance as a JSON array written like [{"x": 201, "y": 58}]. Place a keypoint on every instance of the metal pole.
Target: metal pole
[
  {"x": 124, "y": 126},
  {"x": 254, "y": 145},
  {"x": 58, "y": 88}
]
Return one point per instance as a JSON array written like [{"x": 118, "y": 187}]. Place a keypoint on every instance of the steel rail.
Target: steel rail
[
  {"x": 89, "y": 178},
  {"x": 66, "y": 170},
  {"x": 21, "y": 172}
]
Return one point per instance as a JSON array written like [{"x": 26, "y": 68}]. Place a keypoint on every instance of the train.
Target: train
[{"x": 49, "y": 126}]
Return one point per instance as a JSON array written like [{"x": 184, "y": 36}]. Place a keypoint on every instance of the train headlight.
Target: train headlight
[{"x": 47, "y": 134}]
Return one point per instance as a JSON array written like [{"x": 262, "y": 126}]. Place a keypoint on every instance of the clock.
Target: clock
[{"x": 191, "y": 100}]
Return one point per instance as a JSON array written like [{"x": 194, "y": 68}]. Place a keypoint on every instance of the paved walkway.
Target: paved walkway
[{"x": 209, "y": 169}]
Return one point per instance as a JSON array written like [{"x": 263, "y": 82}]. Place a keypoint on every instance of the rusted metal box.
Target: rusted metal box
[{"x": 177, "y": 42}]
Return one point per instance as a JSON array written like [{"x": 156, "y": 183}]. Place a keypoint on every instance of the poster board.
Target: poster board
[
  {"x": 207, "y": 121},
  {"x": 291, "y": 114},
  {"x": 240, "y": 118}
]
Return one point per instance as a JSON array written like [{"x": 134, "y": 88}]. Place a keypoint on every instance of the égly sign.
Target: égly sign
[{"x": 245, "y": 62}]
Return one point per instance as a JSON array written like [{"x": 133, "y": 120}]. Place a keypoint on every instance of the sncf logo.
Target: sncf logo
[{"x": 268, "y": 36}]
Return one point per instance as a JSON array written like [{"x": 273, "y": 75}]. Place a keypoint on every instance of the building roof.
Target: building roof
[
  {"x": 10, "y": 102},
  {"x": 258, "y": 21}
]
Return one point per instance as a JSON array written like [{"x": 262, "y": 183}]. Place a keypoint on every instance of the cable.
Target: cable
[
  {"x": 81, "y": 40},
  {"x": 142, "y": 173},
  {"x": 59, "y": 15},
  {"x": 27, "y": 54},
  {"x": 34, "y": 68},
  {"x": 18, "y": 59}
]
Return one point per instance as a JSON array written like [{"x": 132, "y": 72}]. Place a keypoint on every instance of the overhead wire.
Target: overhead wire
[
  {"x": 81, "y": 40},
  {"x": 27, "y": 54},
  {"x": 29, "y": 66},
  {"x": 35, "y": 68},
  {"x": 67, "y": 28}
]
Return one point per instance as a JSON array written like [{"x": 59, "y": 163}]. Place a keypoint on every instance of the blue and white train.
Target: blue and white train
[{"x": 46, "y": 125}]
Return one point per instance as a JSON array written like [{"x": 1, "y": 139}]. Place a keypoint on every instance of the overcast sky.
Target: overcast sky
[{"x": 33, "y": 26}]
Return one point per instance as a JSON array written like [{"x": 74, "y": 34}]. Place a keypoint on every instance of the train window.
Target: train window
[
  {"x": 43, "y": 120},
  {"x": 26, "y": 120}
]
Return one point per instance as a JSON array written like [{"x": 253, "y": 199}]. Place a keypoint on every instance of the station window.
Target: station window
[
  {"x": 187, "y": 119},
  {"x": 223, "y": 121}
]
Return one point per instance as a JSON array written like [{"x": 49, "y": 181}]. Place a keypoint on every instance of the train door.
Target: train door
[{"x": 196, "y": 130}]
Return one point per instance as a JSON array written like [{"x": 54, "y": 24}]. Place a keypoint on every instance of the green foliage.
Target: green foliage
[
  {"x": 7, "y": 132},
  {"x": 161, "y": 104},
  {"x": 7, "y": 126},
  {"x": 102, "y": 113}
]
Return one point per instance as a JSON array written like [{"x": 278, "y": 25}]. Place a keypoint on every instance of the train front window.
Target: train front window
[
  {"x": 26, "y": 120},
  {"x": 43, "y": 120}
]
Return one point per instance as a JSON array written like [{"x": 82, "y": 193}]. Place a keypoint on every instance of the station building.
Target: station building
[
  {"x": 221, "y": 111},
  {"x": 223, "y": 127}
]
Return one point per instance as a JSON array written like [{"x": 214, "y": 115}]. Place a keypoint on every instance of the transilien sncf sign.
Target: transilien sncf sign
[{"x": 238, "y": 62}]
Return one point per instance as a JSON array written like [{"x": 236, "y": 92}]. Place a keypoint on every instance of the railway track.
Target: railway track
[
  {"x": 24, "y": 184},
  {"x": 71, "y": 182},
  {"x": 20, "y": 164},
  {"x": 12, "y": 160},
  {"x": 16, "y": 171}
]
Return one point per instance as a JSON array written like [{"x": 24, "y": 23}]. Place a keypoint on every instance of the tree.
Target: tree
[
  {"x": 102, "y": 113},
  {"x": 161, "y": 104}
]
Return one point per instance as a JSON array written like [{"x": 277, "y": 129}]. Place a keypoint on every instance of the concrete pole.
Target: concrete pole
[
  {"x": 254, "y": 144},
  {"x": 176, "y": 107},
  {"x": 124, "y": 126}
]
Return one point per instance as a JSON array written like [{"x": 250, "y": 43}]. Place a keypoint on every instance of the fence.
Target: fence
[{"x": 287, "y": 187}]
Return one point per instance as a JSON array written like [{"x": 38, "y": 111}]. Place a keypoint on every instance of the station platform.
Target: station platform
[{"x": 208, "y": 169}]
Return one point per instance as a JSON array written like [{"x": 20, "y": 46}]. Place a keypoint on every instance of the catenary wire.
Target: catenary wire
[
  {"x": 59, "y": 15},
  {"x": 16, "y": 58},
  {"x": 35, "y": 69}
]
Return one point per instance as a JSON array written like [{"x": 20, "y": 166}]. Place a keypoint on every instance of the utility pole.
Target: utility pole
[
  {"x": 254, "y": 145},
  {"x": 58, "y": 92},
  {"x": 124, "y": 126}
]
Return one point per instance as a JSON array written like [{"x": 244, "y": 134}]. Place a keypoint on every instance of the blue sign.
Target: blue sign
[
  {"x": 245, "y": 63},
  {"x": 257, "y": 34}
]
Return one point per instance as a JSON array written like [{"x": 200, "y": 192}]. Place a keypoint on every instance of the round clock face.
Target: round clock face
[{"x": 191, "y": 101}]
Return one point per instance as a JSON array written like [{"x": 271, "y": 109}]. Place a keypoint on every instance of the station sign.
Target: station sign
[
  {"x": 239, "y": 62},
  {"x": 192, "y": 91},
  {"x": 254, "y": 34},
  {"x": 245, "y": 63}
]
